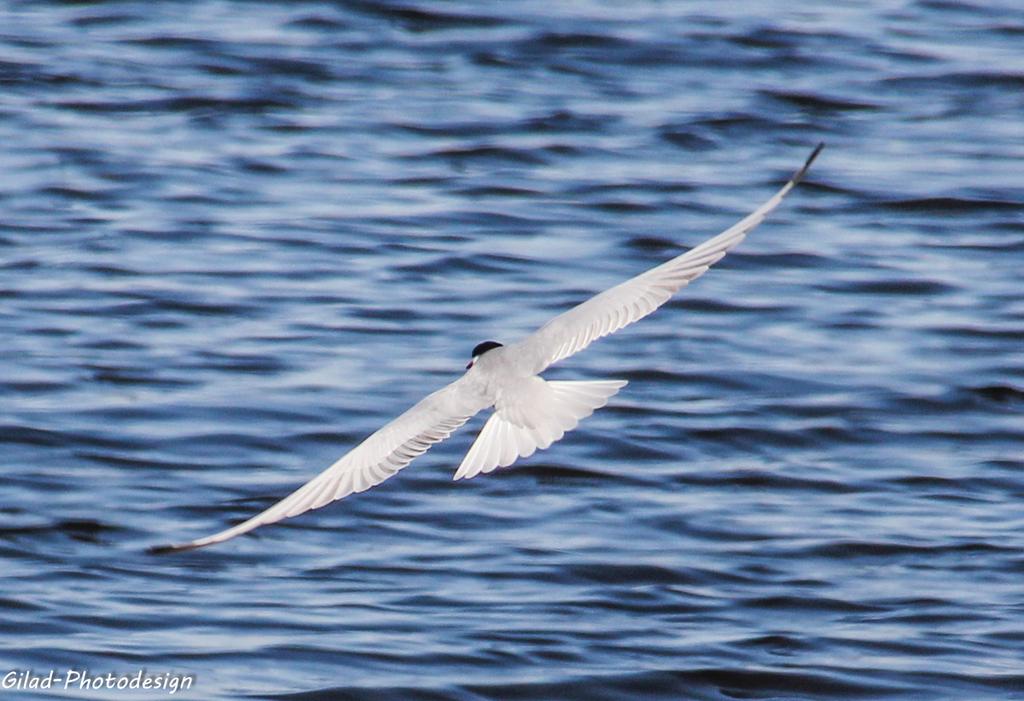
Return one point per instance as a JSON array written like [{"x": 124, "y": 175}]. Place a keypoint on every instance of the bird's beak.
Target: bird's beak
[{"x": 469, "y": 364}]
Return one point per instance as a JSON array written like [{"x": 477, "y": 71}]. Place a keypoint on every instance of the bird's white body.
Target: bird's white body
[{"x": 530, "y": 413}]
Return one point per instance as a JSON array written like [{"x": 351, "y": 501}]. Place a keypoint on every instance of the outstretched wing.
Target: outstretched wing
[
  {"x": 371, "y": 462},
  {"x": 634, "y": 299}
]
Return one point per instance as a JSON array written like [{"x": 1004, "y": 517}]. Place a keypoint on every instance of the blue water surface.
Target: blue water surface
[{"x": 237, "y": 237}]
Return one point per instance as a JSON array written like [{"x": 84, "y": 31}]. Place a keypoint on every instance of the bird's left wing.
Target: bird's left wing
[
  {"x": 371, "y": 462},
  {"x": 574, "y": 330}
]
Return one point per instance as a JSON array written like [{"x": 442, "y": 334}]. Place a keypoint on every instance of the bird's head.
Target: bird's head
[{"x": 480, "y": 349}]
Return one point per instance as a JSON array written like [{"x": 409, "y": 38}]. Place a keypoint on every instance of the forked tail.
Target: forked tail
[{"x": 552, "y": 409}]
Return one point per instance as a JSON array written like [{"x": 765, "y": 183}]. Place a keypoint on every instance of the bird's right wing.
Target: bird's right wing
[
  {"x": 634, "y": 299},
  {"x": 371, "y": 462}
]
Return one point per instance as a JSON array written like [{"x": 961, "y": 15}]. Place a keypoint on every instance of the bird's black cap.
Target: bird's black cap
[{"x": 482, "y": 348}]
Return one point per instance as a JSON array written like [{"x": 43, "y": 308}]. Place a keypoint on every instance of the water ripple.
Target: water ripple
[{"x": 237, "y": 238}]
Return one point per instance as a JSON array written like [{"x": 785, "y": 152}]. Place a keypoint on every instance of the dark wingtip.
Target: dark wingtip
[
  {"x": 814, "y": 153},
  {"x": 798, "y": 176},
  {"x": 167, "y": 549}
]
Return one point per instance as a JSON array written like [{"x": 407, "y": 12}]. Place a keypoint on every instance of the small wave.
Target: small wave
[
  {"x": 963, "y": 79},
  {"x": 819, "y": 103},
  {"x": 768, "y": 481},
  {"x": 991, "y": 332},
  {"x": 856, "y": 549},
  {"x": 952, "y": 205},
  {"x": 809, "y": 603},
  {"x": 894, "y": 286},
  {"x": 194, "y": 103},
  {"x": 698, "y": 683},
  {"x": 82, "y": 530},
  {"x": 687, "y": 140},
  {"x": 498, "y": 191},
  {"x": 31, "y": 435},
  {"x": 421, "y": 19},
  {"x": 1001, "y": 394},
  {"x": 490, "y": 153},
  {"x": 737, "y": 124}
]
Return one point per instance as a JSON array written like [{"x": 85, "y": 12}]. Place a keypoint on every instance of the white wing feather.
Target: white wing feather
[
  {"x": 605, "y": 313},
  {"x": 371, "y": 462}
]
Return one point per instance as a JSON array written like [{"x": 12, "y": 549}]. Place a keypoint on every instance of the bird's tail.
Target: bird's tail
[{"x": 551, "y": 409}]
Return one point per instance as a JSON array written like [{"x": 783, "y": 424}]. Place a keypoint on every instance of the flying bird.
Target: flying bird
[{"x": 530, "y": 413}]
